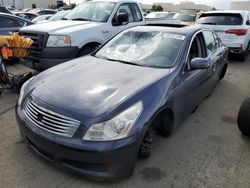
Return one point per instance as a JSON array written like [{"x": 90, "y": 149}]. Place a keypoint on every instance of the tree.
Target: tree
[{"x": 157, "y": 8}]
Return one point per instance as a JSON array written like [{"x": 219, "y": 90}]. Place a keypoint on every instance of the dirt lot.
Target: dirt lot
[{"x": 207, "y": 151}]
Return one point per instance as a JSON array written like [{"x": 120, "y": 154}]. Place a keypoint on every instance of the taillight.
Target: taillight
[{"x": 238, "y": 32}]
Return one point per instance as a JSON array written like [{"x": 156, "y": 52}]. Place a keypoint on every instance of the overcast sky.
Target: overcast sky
[{"x": 220, "y": 4}]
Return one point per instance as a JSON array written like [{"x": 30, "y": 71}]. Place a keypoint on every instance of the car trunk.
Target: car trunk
[{"x": 227, "y": 25}]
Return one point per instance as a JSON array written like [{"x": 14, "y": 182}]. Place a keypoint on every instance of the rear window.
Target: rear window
[{"x": 220, "y": 19}]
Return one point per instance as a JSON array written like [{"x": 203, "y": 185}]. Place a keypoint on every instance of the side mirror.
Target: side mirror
[
  {"x": 122, "y": 18},
  {"x": 200, "y": 63},
  {"x": 248, "y": 22}
]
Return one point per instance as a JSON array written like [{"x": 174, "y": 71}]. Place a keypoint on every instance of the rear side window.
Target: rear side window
[
  {"x": 220, "y": 19},
  {"x": 137, "y": 12},
  {"x": 210, "y": 42}
]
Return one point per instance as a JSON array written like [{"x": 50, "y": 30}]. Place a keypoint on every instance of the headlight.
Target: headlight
[
  {"x": 59, "y": 41},
  {"x": 116, "y": 128},
  {"x": 22, "y": 91}
]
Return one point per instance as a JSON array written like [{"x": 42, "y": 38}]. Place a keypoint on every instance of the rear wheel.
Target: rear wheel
[
  {"x": 244, "y": 117},
  {"x": 223, "y": 72}
]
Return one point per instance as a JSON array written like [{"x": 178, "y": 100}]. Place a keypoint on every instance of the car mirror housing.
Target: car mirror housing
[
  {"x": 248, "y": 22},
  {"x": 200, "y": 63},
  {"x": 122, "y": 18}
]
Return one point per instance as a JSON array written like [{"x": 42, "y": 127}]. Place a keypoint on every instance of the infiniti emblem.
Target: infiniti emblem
[{"x": 39, "y": 117}]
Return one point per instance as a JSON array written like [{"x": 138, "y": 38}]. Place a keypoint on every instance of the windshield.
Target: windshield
[
  {"x": 91, "y": 11},
  {"x": 185, "y": 17},
  {"x": 157, "y": 15},
  {"x": 153, "y": 49},
  {"x": 59, "y": 15},
  {"x": 220, "y": 19}
]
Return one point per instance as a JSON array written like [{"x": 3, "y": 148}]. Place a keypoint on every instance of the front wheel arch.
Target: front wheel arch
[{"x": 88, "y": 48}]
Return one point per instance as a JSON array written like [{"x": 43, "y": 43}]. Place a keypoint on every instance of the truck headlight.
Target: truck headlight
[
  {"x": 22, "y": 91},
  {"x": 116, "y": 128},
  {"x": 59, "y": 41}
]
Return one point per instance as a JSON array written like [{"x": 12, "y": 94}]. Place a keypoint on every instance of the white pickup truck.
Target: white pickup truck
[{"x": 80, "y": 32}]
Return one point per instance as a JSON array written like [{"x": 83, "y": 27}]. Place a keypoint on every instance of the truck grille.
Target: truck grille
[
  {"x": 39, "y": 40},
  {"x": 50, "y": 121}
]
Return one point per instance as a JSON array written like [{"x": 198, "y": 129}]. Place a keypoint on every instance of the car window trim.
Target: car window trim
[
  {"x": 187, "y": 64},
  {"x": 134, "y": 11}
]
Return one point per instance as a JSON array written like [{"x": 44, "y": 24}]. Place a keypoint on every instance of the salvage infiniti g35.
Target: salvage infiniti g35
[{"x": 95, "y": 115}]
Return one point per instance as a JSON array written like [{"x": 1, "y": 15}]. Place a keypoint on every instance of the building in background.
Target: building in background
[
  {"x": 21, "y": 4},
  {"x": 240, "y": 5},
  {"x": 177, "y": 7}
]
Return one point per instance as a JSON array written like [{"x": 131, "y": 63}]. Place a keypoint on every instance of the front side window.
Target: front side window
[
  {"x": 210, "y": 42},
  {"x": 151, "y": 48},
  {"x": 91, "y": 11},
  {"x": 124, "y": 8}
]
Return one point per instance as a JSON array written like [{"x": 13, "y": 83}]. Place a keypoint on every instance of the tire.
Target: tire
[
  {"x": 86, "y": 50},
  {"x": 242, "y": 56},
  {"x": 166, "y": 125},
  {"x": 147, "y": 144},
  {"x": 223, "y": 72},
  {"x": 244, "y": 117}
]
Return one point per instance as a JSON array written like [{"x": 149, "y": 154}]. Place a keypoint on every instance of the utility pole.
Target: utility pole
[
  {"x": 2, "y": 3},
  {"x": 14, "y": 4}
]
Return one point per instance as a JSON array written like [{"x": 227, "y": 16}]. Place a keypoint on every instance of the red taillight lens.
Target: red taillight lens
[{"x": 238, "y": 32}]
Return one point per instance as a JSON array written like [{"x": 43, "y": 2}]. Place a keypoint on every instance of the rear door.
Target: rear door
[
  {"x": 215, "y": 53},
  {"x": 224, "y": 24}
]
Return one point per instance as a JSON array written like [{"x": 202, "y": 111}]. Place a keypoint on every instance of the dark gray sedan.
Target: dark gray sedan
[
  {"x": 96, "y": 114},
  {"x": 11, "y": 23}
]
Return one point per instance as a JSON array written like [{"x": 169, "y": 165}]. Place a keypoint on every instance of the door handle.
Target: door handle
[{"x": 105, "y": 31}]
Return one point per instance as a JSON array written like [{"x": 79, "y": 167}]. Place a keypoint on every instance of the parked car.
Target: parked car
[
  {"x": 5, "y": 10},
  {"x": 233, "y": 27},
  {"x": 160, "y": 15},
  {"x": 42, "y": 18},
  {"x": 46, "y": 11},
  {"x": 26, "y": 15},
  {"x": 58, "y": 16},
  {"x": 96, "y": 114},
  {"x": 244, "y": 117},
  {"x": 187, "y": 19},
  {"x": 11, "y": 23},
  {"x": 84, "y": 29}
]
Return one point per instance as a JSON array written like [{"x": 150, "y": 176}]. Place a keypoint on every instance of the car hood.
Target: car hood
[
  {"x": 90, "y": 86},
  {"x": 59, "y": 27}
]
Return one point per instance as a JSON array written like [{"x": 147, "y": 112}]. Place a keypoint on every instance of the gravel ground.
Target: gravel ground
[{"x": 206, "y": 151}]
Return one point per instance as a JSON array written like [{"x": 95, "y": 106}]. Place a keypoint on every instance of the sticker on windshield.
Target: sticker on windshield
[{"x": 174, "y": 36}]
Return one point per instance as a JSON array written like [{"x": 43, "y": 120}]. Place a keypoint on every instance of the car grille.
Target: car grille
[
  {"x": 50, "y": 121},
  {"x": 39, "y": 40}
]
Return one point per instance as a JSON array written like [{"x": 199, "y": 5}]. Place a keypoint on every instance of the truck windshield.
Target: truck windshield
[
  {"x": 150, "y": 49},
  {"x": 91, "y": 11}
]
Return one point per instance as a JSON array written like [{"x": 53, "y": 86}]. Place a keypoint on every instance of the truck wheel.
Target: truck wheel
[
  {"x": 86, "y": 50},
  {"x": 166, "y": 125},
  {"x": 244, "y": 117},
  {"x": 147, "y": 144}
]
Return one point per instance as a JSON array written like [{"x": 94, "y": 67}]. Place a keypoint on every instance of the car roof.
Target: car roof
[
  {"x": 171, "y": 28},
  {"x": 20, "y": 12},
  {"x": 14, "y": 16}
]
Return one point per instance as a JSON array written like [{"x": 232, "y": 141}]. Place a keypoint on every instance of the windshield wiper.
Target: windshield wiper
[
  {"x": 82, "y": 19},
  {"x": 64, "y": 19},
  {"x": 209, "y": 23},
  {"x": 126, "y": 62}
]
